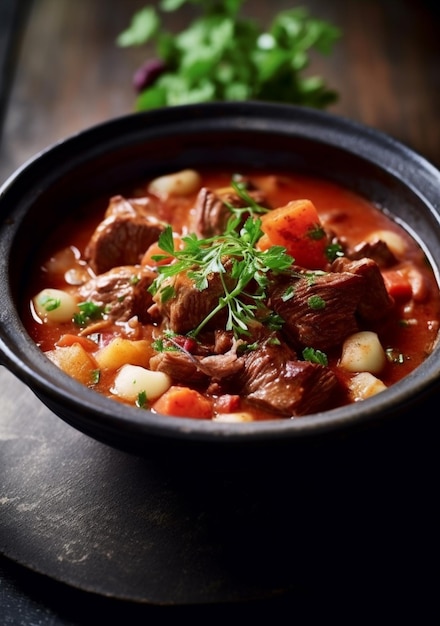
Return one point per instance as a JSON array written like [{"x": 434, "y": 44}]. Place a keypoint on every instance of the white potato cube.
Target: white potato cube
[
  {"x": 132, "y": 380},
  {"x": 179, "y": 184},
  {"x": 55, "y": 305},
  {"x": 363, "y": 352},
  {"x": 364, "y": 385}
]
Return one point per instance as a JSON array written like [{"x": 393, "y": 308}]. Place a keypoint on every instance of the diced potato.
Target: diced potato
[
  {"x": 241, "y": 416},
  {"x": 132, "y": 380},
  {"x": 61, "y": 261},
  {"x": 365, "y": 385},
  {"x": 178, "y": 184},
  {"x": 363, "y": 352},
  {"x": 55, "y": 305},
  {"x": 75, "y": 361},
  {"x": 419, "y": 285},
  {"x": 395, "y": 242},
  {"x": 121, "y": 351}
]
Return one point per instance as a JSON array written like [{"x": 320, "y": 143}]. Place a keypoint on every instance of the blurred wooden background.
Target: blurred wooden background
[{"x": 70, "y": 74}]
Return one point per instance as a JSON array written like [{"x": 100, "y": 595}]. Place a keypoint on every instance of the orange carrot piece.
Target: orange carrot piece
[
  {"x": 69, "y": 339},
  {"x": 397, "y": 284},
  {"x": 297, "y": 227},
  {"x": 154, "y": 250},
  {"x": 184, "y": 402}
]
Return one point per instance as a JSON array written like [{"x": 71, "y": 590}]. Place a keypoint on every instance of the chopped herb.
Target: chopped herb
[
  {"x": 95, "y": 377},
  {"x": 288, "y": 293},
  {"x": 316, "y": 303},
  {"x": 134, "y": 279},
  {"x": 333, "y": 251},
  {"x": 316, "y": 233},
  {"x": 315, "y": 356},
  {"x": 142, "y": 400},
  {"x": 50, "y": 304},
  {"x": 89, "y": 311},
  {"x": 201, "y": 258}
]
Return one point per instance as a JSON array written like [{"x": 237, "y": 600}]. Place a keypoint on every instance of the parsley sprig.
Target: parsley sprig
[
  {"x": 201, "y": 258},
  {"x": 224, "y": 56}
]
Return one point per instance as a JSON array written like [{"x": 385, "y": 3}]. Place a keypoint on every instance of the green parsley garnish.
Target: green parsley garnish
[
  {"x": 201, "y": 258},
  {"x": 50, "y": 304},
  {"x": 315, "y": 356},
  {"x": 223, "y": 56},
  {"x": 95, "y": 377},
  {"x": 89, "y": 311},
  {"x": 333, "y": 251},
  {"x": 316, "y": 303},
  {"x": 316, "y": 233},
  {"x": 142, "y": 400}
]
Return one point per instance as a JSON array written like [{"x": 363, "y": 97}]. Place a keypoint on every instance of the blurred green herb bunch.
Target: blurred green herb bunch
[{"x": 224, "y": 56}]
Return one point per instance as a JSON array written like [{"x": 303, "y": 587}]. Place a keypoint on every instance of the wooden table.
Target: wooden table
[{"x": 69, "y": 74}]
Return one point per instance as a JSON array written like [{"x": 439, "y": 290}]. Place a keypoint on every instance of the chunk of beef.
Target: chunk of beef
[
  {"x": 212, "y": 213},
  {"x": 119, "y": 205},
  {"x": 189, "y": 306},
  {"x": 188, "y": 368},
  {"x": 321, "y": 311},
  {"x": 123, "y": 236},
  {"x": 376, "y": 301},
  {"x": 123, "y": 291},
  {"x": 377, "y": 250},
  {"x": 272, "y": 380}
]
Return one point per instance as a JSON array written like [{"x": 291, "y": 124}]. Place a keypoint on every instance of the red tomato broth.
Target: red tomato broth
[{"x": 345, "y": 213}]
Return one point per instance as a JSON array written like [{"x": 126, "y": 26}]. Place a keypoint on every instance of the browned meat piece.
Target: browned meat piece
[
  {"x": 322, "y": 310},
  {"x": 188, "y": 368},
  {"x": 212, "y": 214},
  {"x": 288, "y": 387},
  {"x": 376, "y": 301},
  {"x": 376, "y": 250},
  {"x": 179, "y": 365},
  {"x": 123, "y": 236},
  {"x": 189, "y": 306},
  {"x": 123, "y": 291},
  {"x": 132, "y": 206}
]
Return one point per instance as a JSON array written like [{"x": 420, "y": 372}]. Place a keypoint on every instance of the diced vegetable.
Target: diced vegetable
[
  {"x": 155, "y": 250},
  {"x": 75, "y": 361},
  {"x": 122, "y": 351},
  {"x": 364, "y": 385},
  {"x": 68, "y": 340},
  {"x": 184, "y": 402},
  {"x": 298, "y": 228},
  {"x": 177, "y": 184},
  {"x": 397, "y": 284},
  {"x": 55, "y": 305},
  {"x": 132, "y": 380},
  {"x": 363, "y": 352},
  {"x": 242, "y": 416}
]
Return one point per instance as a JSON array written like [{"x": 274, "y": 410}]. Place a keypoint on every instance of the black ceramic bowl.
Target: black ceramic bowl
[{"x": 109, "y": 156}]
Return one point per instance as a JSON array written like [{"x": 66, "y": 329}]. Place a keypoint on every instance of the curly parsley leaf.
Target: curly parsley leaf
[{"x": 201, "y": 258}]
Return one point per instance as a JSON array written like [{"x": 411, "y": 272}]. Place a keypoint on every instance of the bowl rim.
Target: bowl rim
[{"x": 103, "y": 417}]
